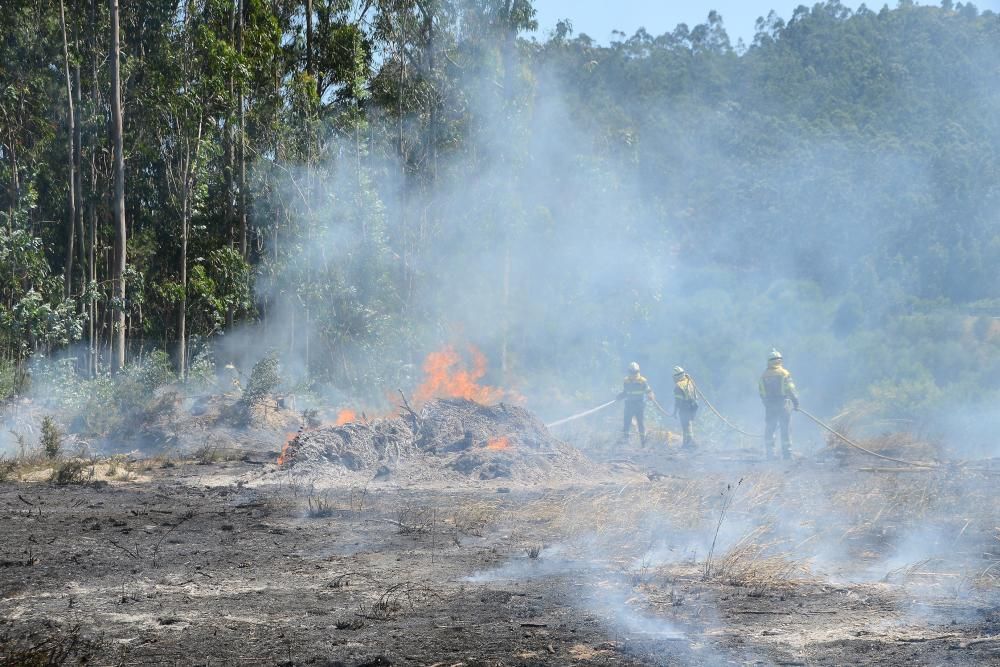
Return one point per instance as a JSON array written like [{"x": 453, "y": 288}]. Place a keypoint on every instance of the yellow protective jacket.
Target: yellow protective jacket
[
  {"x": 635, "y": 388},
  {"x": 776, "y": 385},
  {"x": 685, "y": 395}
]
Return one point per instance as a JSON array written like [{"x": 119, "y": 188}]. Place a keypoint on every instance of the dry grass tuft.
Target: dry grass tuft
[
  {"x": 474, "y": 518},
  {"x": 759, "y": 565}
]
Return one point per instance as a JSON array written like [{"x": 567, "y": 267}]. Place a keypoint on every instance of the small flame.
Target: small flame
[
  {"x": 283, "y": 456},
  {"x": 499, "y": 444},
  {"x": 346, "y": 416},
  {"x": 448, "y": 377}
]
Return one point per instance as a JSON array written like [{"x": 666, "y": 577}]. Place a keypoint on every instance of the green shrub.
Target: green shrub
[
  {"x": 9, "y": 379},
  {"x": 69, "y": 472},
  {"x": 51, "y": 437},
  {"x": 264, "y": 379}
]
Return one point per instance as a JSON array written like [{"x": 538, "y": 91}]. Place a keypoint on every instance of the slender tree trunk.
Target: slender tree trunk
[
  {"x": 309, "y": 36},
  {"x": 403, "y": 221},
  {"x": 242, "y": 185},
  {"x": 432, "y": 134},
  {"x": 182, "y": 307},
  {"x": 190, "y": 174},
  {"x": 509, "y": 57},
  {"x": 13, "y": 194},
  {"x": 78, "y": 173},
  {"x": 93, "y": 334},
  {"x": 71, "y": 163},
  {"x": 118, "y": 203}
]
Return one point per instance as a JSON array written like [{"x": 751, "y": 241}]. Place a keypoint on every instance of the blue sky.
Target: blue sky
[{"x": 598, "y": 18}]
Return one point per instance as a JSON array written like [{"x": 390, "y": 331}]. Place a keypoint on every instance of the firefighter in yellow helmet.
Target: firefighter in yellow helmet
[
  {"x": 635, "y": 390},
  {"x": 778, "y": 393},
  {"x": 685, "y": 404}
]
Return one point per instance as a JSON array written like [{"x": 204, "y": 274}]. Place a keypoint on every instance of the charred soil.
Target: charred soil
[{"x": 251, "y": 562}]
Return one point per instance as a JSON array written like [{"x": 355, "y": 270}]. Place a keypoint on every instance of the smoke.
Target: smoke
[{"x": 564, "y": 245}]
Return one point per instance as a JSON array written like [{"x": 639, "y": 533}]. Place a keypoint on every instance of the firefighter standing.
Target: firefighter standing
[
  {"x": 685, "y": 404},
  {"x": 777, "y": 391},
  {"x": 635, "y": 390}
]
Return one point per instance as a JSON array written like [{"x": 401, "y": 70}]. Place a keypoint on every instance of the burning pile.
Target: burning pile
[
  {"x": 449, "y": 438},
  {"x": 456, "y": 433}
]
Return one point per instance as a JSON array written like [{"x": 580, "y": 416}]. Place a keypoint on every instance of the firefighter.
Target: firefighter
[
  {"x": 777, "y": 392},
  {"x": 685, "y": 404},
  {"x": 635, "y": 390}
]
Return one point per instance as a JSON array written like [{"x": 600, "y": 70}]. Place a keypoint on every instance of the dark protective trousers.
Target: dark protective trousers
[
  {"x": 777, "y": 414},
  {"x": 635, "y": 410},
  {"x": 686, "y": 416}
]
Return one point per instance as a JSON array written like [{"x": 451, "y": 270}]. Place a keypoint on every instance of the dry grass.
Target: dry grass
[
  {"x": 217, "y": 453},
  {"x": 617, "y": 511},
  {"x": 761, "y": 565},
  {"x": 474, "y": 518}
]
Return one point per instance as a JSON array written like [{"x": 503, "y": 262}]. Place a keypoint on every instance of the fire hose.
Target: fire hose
[
  {"x": 859, "y": 447},
  {"x": 719, "y": 414},
  {"x": 728, "y": 423},
  {"x": 580, "y": 415}
]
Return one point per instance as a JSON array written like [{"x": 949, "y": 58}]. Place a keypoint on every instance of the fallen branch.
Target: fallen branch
[
  {"x": 979, "y": 640},
  {"x": 126, "y": 550},
  {"x": 406, "y": 406},
  {"x": 917, "y": 640}
]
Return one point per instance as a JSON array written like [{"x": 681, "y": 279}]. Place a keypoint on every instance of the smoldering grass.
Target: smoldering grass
[
  {"x": 394, "y": 600},
  {"x": 473, "y": 518},
  {"x": 217, "y": 453},
  {"x": 727, "y": 501},
  {"x": 761, "y": 566},
  {"x": 614, "y": 512},
  {"x": 319, "y": 507},
  {"x": 414, "y": 520}
]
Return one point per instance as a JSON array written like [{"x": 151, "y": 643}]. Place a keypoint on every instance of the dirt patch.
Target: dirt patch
[{"x": 449, "y": 438}]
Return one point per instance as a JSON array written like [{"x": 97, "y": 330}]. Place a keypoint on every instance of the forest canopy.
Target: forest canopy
[{"x": 352, "y": 182}]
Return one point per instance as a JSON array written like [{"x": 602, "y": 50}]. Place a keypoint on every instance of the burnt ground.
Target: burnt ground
[{"x": 242, "y": 563}]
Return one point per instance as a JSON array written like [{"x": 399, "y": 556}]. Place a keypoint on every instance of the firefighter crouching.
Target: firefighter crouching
[
  {"x": 777, "y": 391},
  {"x": 635, "y": 390},
  {"x": 685, "y": 404}
]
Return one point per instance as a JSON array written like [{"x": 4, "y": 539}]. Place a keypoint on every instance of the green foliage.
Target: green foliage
[
  {"x": 263, "y": 380},
  {"x": 71, "y": 471},
  {"x": 52, "y": 437},
  {"x": 831, "y": 188},
  {"x": 10, "y": 379}
]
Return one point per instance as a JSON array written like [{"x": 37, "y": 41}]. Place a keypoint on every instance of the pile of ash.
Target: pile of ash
[{"x": 450, "y": 438}]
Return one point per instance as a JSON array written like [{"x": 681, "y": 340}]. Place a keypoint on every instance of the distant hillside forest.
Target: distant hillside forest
[{"x": 351, "y": 183}]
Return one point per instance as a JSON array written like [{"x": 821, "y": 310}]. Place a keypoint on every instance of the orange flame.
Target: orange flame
[
  {"x": 499, "y": 444},
  {"x": 448, "y": 377},
  {"x": 346, "y": 416},
  {"x": 283, "y": 456}
]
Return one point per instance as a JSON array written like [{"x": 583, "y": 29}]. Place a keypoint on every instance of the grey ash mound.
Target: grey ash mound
[{"x": 449, "y": 438}]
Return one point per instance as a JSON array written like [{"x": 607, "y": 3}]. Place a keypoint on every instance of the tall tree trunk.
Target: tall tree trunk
[
  {"x": 92, "y": 333},
  {"x": 509, "y": 58},
  {"x": 309, "y": 36},
  {"x": 118, "y": 203},
  {"x": 432, "y": 130},
  {"x": 182, "y": 307},
  {"x": 242, "y": 184},
  {"x": 14, "y": 187},
  {"x": 78, "y": 172},
  {"x": 71, "y": 163}
]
